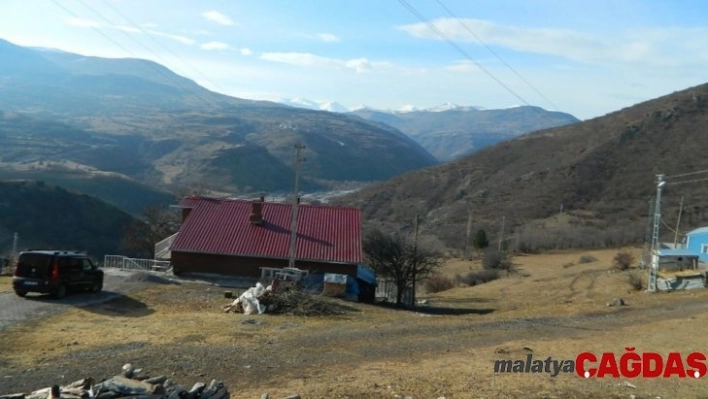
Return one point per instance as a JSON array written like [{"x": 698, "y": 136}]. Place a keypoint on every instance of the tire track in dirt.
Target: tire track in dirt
[{"x": 593, "y": 274}]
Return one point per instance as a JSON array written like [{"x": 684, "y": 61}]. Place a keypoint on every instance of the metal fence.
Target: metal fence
[
  {"x": 162, "y": 248},
  {"x": 125, "y": 263},
  {"x": 387, "y": 289},
  {"x": 7, "y": 265}
]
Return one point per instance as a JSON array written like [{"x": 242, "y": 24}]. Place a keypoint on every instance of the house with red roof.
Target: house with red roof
[{"x": 239, "y": 237}]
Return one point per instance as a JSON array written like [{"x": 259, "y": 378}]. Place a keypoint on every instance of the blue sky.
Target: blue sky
[{"x": 587, "y": 58}]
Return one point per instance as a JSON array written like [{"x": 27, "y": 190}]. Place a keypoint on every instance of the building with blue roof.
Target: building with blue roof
[{"x": 697, "y": 243}]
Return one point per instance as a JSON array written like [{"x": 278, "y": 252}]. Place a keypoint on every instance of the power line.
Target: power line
[
  {"x": 687, "y": 181},
  {"x": 432, "y": 27},
  {"x": 121, "y": 31},
  {"x": 158, "y": 70},
  {"x": 687, "y": 174},
  {"x": 495, "y": 54},
  {"x": 668, "y": 227},
  {"x": 161, "y": 45}
]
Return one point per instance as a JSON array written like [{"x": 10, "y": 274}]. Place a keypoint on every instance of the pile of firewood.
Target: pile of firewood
[
  {"x": 294, "y": 302},
  {"x": 128, "y": 384},
  {"x": 299, "y": 303}
]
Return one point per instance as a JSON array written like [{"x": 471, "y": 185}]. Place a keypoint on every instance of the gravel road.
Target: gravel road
[{"x": 14, "y": 310}]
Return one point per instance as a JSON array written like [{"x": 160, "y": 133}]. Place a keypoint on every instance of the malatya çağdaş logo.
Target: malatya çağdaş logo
[{"x": 630, "y": 364}]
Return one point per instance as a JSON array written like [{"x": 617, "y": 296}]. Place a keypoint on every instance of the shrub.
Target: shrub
[
  {"x": 636, "y": 281},
  {"x": 438, "y": 283},
  {"x": 496, "y": 260},
  {"x": 623, "y": 260},
  {"x": 587, "y": 259},
  {"x": 480, "y": 240},
  {"x": 480, "y": 277}
]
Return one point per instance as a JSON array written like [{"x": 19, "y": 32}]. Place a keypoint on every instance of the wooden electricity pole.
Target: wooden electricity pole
[
  {"x": 14, "y": 246},
  {"x": 678, "y": 222},
  {"x": 296, "y": 203}
]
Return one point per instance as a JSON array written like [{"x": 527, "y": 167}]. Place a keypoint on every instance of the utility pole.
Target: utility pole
[
  {"x": 654, "y": 270},
  {"x": 646, "y": 255},
  {"x": 560, "y": 214},
  {"x": 415, "y": 256},
  {"x": 296, "y": 203},
  {"x": 501, "y": 234},
  {"x": 678, "y": 222},
  {"x": 14, "y": 246}
]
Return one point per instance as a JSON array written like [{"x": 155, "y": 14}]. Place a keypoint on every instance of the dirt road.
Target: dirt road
[{"x": 14, "y": 310}]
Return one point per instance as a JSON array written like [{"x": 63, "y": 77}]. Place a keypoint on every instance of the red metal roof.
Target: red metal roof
[{"x": 221, "y": 226}]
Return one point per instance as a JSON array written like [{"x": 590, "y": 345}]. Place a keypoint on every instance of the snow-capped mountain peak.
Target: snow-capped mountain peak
[
  {"x": 330, "y": 106},
  {"x": 333, "y": 106},
  {"x": 443, "y": 107},
  {"x": 407, "y": 108}
]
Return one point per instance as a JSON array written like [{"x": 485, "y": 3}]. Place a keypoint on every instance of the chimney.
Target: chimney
[{"x": 257, "y": 212}]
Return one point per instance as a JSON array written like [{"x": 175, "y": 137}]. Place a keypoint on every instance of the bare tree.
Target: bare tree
[
  {"x": 396, "y": 257},
  {"x": 155, "y": 225}
]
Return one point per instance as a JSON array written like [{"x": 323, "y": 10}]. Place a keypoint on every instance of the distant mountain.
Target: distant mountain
[
  {"x": 450, "y": 131},
  {"x": 441, "y": 108},
  {"x": 49, "y": 217},
  {"x": 601, "y": 171},
  {"x": 337, "y": 107},
  {"x": 137, "y": 118},
  {"x": 330, "y": 106}
]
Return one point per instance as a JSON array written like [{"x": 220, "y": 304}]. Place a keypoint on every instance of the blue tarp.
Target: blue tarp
[
  {"x": 366, "y": 274},
  {"x": 315, "y": 283}
]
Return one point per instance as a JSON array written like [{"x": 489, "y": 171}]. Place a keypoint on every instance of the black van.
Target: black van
[{"x": 55, "y": 272}]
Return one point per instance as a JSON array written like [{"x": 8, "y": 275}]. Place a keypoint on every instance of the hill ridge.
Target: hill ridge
[{"x": 601, "y": 170}]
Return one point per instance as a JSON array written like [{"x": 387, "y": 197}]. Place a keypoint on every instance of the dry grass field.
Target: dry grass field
[
  {"x": 5, "y": 284},
  {"x": 554, "y": 306}
]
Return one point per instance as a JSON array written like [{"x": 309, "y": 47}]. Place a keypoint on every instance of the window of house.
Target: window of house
[{"x": 704, "y": 248}]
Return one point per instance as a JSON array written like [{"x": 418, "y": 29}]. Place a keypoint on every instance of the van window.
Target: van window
[
  {"x": 37, "y": 261},
  {"x": 87, "y": 264}
]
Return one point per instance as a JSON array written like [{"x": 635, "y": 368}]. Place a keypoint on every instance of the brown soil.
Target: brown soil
[{"x": 447, "y": 348}]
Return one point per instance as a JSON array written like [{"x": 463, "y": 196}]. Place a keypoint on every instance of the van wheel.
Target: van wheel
[
  {"x": 21, "y": 294},
  {"x": 97, "y": 287},
  {"x": 60, "y": 292}
]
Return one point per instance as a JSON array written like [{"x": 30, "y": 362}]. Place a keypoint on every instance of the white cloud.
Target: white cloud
[
  {"x": 215, "y": 46},
  {"x": 82, "y": 23},
  {"x": 150, "y": 25},
  {"x": 246, "y": 51},
  {"x": 463, "y": 66},
  {"x": 328, "y": 37},
  {"x": 178, "y": 38},
  {"x": 300, "y": 59},
  {"x": 312, "y": 60},
  {"x": 130, "y": 29},
  {"x": 359, "y": 65},
  {"x": 218, "y": 17},
  {"x": 658, "y": 47}
]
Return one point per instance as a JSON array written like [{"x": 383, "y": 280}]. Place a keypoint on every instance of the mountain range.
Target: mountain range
[
  {"x": 333, "y": 106},
  {"x": 449, "y": 131},
  {"x": 138, "y": 119},
  {"x": 579, "y": 185}
]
